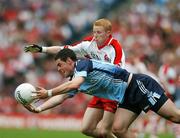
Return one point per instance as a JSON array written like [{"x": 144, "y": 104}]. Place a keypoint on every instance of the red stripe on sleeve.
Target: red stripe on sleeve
[
  {"x": 88, "y": 38},
  {"x": 118, "y": 51},
  {"x": 66, "y": 46}
]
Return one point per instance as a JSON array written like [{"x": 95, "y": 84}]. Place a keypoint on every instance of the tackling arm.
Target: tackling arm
[
  {"x": 36, "y": 48},
  {"x": 52, "y": 49}
]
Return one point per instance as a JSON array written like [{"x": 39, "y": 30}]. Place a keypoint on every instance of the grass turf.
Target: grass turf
[
  {"x": 37, "y": 133},
  {"x": 162, "y": 136}
]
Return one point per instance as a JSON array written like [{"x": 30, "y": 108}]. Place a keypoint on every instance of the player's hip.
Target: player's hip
[{"x": 143, "y": 92}]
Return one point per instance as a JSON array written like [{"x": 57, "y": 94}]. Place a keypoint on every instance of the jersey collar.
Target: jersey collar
[{"x": 107, "y": 42}]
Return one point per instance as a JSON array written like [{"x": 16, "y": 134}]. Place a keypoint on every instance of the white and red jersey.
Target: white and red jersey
[
  {"x": 168, "y": 75},
  {"x": 111, "y": 51}
]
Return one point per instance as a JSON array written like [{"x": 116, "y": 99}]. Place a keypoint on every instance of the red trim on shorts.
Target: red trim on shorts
[{"x": 104, "y": 104}]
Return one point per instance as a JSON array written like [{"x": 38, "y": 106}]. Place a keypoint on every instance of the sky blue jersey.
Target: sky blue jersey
[{"x": 102, "y": 79}]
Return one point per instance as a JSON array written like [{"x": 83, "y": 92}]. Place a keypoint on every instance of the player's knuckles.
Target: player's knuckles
[{"x": 26, "y": 49}]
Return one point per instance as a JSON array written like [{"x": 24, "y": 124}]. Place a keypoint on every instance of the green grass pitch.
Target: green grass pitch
[{"x": 37, "y": 133}]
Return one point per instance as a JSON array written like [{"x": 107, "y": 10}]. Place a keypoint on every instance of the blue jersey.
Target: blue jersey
[
  {"x": 109, "y": 81},
  {"x": 102, "y": 79}
]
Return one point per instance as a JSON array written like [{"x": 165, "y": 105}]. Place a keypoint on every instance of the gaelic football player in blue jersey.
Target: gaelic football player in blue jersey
[{"x": 134, "y": 92}]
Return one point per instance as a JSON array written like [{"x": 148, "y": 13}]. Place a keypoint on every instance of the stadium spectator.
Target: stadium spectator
[{"x": 168, "y": 74}]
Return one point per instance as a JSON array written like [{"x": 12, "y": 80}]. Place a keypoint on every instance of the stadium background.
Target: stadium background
[{"x": 149, "y": 31}]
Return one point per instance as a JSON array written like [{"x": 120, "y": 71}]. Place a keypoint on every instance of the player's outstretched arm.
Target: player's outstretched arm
[
  {"x": 50, "y": 103},
  {"x": 36, "y": 48},
  {"x": 66, "y": 87},
  {"x": 31, "y": 108}
]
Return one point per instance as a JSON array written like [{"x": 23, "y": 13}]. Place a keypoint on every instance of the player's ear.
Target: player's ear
[
  {"x": 108, "y": 32},
  {"x": 69, "y": 60}
]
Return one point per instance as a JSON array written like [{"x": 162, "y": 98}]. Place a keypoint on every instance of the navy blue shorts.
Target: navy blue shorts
[{"x": 143, "y": 94}]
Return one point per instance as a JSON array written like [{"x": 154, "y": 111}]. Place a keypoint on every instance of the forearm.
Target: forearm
[
  {"x": 52, "y": 102},
  {"x": 52, "y": 49},
  {"x": 61, "y": 89},
  {"x": 64, "y": 88}
]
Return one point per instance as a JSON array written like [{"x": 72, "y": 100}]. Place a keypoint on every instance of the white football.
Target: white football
[{"x": 23, "y": 93}]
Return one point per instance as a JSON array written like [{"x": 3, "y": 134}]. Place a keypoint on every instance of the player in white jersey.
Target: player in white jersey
[{"x": 101, "y": 46}]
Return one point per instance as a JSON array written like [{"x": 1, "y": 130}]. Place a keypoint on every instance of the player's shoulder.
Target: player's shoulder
[
  {"x": 88, "y": 38},
  {"x": 85, "y": 39},
  {"x": 115, "y": 43},
  {"x": 84, "y": 64}
]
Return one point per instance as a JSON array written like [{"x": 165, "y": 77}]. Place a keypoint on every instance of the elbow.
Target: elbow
[{"x": 75, "y": 83}]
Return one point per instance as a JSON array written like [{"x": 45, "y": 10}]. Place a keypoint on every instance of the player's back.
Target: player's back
[{"x": 103, "y": 79}]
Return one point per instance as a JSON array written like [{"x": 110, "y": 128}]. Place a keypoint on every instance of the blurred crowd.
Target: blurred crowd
[{"x": 149, "y": 31}]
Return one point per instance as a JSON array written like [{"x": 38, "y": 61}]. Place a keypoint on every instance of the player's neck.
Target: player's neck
[{"x": 104, "y": 43}]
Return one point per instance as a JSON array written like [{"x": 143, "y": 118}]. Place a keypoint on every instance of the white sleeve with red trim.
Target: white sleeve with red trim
[
  {"x": 121, "y": 61},
  {"x": 78, "y": 49},
  {"x": 117, "y": 55},
  {"x": 122, "y": 64}
]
